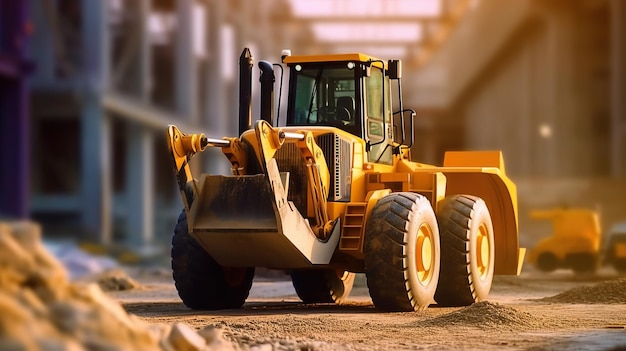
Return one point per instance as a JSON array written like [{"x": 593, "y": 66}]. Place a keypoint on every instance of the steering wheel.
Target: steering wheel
[
  {"x": 334, "y": 116},
  {"x": 327, "y": 112}
]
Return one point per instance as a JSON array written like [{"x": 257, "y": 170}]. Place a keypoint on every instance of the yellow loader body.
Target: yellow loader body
[
  {"x": 334, "y": 192},
  {"x": 248, "y": 220}
]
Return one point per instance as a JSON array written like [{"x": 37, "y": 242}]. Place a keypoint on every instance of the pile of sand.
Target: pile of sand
[
  {"x": 608, "y": 292},
  {"x": 486, "y": 314},
  {"x": 40, "y": 309},
  {"x": 116, "y": 280}
]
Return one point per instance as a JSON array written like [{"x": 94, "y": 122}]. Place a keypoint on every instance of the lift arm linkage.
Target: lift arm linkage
[
  {"x": 183, "y": 146},
  {"x": 271, "y": 139}
]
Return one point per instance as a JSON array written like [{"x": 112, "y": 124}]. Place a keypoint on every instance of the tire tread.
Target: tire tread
[
  {"x": 456, "y": 286},
  {"x": 198, "y": 278}
]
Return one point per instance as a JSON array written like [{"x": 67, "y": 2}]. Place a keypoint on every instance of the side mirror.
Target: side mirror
[{"x": 394, "y": 69}]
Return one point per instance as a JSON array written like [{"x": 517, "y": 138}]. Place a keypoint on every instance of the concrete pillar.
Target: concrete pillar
[
  {"x": 43, "y": 44},
  {"x": 216, "y": 95},
  {"x": 145, "y": 58},
  {"x": 14, "y": 147},
  {"x": 140, "y": 186},
  {"x": 96, "y": 172},
  {"x": 14, "y": 112},
  {"x": 185, "y": 64},
  {"x": 525, "y": 151},
  {"x": 142, "y": 64},
  {"x": 559, "y": 89},
  {"x": 618, "y": 88},
  {"x": 140, "y": 154}
]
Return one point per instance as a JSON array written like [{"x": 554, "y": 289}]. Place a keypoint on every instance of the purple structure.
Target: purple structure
[{"x": 14, "y": 112}]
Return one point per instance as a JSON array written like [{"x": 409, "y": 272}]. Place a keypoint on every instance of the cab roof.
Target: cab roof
[{"x": 355, "y": 57}]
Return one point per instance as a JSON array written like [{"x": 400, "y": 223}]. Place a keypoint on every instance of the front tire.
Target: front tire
[
  {"x": 201, "y": 282},
  {"x": 467, "y": 251},
  {"x": 547, "y": 262},
  {"x": 402, "y": 253},
  {"x": 322, "y": 285}
]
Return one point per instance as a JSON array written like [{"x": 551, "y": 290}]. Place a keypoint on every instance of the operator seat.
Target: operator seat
[{"x": 345, "y": 109}]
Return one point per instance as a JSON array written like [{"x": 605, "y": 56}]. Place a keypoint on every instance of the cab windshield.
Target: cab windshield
[{"x": 324, "y": 96}]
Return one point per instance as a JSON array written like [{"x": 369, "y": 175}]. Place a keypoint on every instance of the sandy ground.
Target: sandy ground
[{"x": 524, "y": 312}]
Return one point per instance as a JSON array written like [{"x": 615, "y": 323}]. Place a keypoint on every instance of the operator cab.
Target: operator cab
[
  {"x": 351, "y": 92},
  {"x": 325, "y": 94}
]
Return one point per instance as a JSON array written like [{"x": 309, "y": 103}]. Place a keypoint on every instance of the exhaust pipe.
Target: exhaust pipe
[
  {"x": 246, "y": 61},
  {"x": 267, "y": 91}
]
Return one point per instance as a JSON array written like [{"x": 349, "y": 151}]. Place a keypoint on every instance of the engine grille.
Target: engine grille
[
  {"x": 339, "y": 160},
  {"x": 337, "y": 152}
]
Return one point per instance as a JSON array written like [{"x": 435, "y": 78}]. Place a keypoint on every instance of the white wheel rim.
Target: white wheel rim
[
  {"x": 483, "y": 251},
  {"x": 425, "y": 260}
]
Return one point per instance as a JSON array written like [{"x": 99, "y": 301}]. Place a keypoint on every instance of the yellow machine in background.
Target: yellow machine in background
[
  {"x": 333, "y": 192},
  {"x": 574, "y": 244}
]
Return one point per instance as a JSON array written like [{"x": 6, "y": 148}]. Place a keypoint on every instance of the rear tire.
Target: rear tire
[
  {"x": 201, "y": 282},
  {"x": 402, "y": 252},
  {"x": 467, "y": 251},
  {"x": 322, "y": 285},
  {"x": 583, "y": 263},
  {"x": 547, "y": 262}
]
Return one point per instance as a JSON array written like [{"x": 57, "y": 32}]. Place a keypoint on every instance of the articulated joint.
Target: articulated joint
[
  {"x": 192, "y": 143},
  {"x": 185, "y": 144},
  {"x": 270, "y": 140}
]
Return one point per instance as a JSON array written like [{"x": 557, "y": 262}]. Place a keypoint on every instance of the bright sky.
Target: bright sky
[
  {"x": 366, "y": 8},
  {"x": 369, "y": 32},
  {"x": 379, "y": 27},
  {"x": 389, "y": 22}
]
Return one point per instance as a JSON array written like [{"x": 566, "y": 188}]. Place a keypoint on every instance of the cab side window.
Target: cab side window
[{"x": 376, "y": 118}]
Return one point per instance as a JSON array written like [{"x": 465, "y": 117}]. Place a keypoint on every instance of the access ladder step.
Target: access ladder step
[{"x": 353, "y": 223}]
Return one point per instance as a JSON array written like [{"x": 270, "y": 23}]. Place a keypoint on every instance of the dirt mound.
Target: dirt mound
[
  {"x": 607, "y": 292},
  {"x": 486, "y": 314},
  {"x": 272, "y": 337},
  {"x": 116, "y": 280},
  {"x": 40, "y": 309}
]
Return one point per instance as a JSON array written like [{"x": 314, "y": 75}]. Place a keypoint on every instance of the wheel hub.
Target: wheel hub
[
  {"x": 426, "y": 254},
  {"x": 424, "y": 247},
  {"x": 482, "y": 250}
]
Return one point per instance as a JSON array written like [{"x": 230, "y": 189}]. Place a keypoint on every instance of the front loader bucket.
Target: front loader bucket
[
  {"x": 241, "y": 203},
  {"x": 246, "y": 221}
]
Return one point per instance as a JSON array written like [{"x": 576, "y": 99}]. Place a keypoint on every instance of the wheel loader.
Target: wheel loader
[
  {"x": 574, "y": 244},
  {"x": 333, "y": 192}
]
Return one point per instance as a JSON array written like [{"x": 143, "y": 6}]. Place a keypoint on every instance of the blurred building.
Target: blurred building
[
  {"x": 14, "y": 112},
  {"x": 542, "y": 80},
  {"x": 110, "y": 76}
]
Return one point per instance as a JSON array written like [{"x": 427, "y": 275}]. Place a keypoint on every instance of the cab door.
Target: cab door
[{"x": 377, "y": 97}]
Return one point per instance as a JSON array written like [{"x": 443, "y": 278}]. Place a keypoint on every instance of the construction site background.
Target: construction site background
[{"x": 87, "y": 88}]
